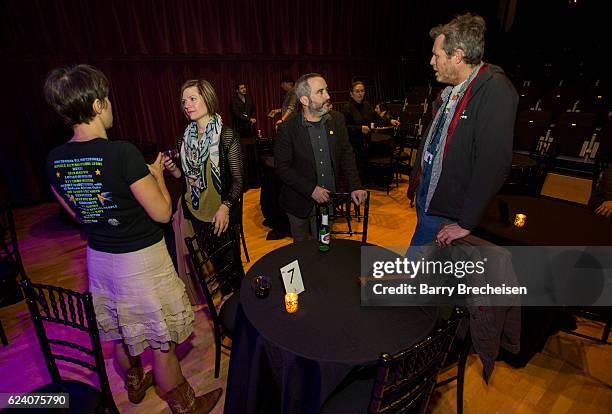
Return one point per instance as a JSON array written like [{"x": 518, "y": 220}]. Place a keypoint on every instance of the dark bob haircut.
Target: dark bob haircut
[{"x": 72, "y": 90}]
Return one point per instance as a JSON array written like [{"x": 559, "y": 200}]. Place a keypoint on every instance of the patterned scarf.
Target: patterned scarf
[
  {"x": 196, "y": 152},
  {"x": 436, "y": 169}
]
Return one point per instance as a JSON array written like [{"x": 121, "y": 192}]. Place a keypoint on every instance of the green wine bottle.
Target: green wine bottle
[{"x": 324, "y": 231}]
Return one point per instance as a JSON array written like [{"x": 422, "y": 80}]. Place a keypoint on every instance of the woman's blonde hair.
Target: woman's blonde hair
[{"x": 206, "y": 91}]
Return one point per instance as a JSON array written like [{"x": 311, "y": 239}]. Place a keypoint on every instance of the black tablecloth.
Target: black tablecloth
[
  {"x": 291, "y": 363},
  {"x": 268, "y": 199},
  {"x": 250, "y": 162},
  {"x": 549, "y": 223}
]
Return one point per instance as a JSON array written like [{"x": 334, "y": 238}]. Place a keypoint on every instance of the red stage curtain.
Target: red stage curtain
[{"x": 149, "y": 48}]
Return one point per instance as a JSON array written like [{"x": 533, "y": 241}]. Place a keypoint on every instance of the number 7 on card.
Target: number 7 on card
[{"x": 292, "y": 277}]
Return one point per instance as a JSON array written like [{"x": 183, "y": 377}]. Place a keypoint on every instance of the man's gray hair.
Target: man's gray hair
[
  {"x": 302, "y": 87},
  {"x": 465, "y": 32}
]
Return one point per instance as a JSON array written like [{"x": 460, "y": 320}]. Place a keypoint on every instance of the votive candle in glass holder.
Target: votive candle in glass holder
[
  {"x": 519, "y": 220},
  {"x": 291, "y": 302}
]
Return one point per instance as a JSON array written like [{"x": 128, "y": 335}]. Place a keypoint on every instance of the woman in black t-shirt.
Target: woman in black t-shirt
[
  {"x": 139, "y": 300},
  {"x": 211, "y": 162}
]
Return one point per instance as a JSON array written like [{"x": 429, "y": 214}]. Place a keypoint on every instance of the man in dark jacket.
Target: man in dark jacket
[
  {"x": 466, "y": 153},
  {"x": 310, "y": 153},
  {"x": 243, "y": 112}
]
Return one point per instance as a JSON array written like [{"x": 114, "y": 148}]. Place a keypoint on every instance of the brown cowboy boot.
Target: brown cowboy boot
[
  {"x": 182, "y": 400},
  {"x": 137, "y": 383}
]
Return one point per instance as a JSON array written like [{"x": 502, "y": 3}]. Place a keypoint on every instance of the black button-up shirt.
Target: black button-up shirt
[{"x": 322, "y": 156}]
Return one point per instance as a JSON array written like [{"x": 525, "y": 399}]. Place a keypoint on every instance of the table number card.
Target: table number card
[{"x": 292, "y": 277}]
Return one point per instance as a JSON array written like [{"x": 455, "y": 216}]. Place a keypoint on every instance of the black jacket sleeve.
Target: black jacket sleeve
[
  {"x": 233, "y": 160},
  {"x": 283, "y": 163},
  {"x": 492, "y": 150}
]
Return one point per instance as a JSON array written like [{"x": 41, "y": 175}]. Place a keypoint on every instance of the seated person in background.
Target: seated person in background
[
  {"x": 601, "y": 197},
  {"x": 384, "y": 116}
]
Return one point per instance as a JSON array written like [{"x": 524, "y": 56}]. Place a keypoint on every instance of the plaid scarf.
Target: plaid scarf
[{"x": 195, "y": 153}]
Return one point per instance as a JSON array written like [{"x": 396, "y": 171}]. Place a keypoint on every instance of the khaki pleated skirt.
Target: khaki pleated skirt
[{"x": 139, "y": 298}]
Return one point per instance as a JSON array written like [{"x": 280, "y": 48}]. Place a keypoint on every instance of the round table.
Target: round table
[
  {"x": 549, "y": 223},
  {"x": 303, "y": 357}
]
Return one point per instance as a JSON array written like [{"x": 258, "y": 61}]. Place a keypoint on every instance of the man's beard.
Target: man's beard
[{"x": 322, "y": 109}]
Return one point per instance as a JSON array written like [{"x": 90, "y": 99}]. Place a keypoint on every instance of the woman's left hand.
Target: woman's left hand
[{"x": 221, "y": 220}]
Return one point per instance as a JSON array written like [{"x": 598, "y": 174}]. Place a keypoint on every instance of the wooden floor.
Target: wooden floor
[{"x": 571, "y": 375}]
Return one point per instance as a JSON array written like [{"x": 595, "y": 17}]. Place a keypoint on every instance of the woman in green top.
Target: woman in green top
[{"x": 212, "y": 165}]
